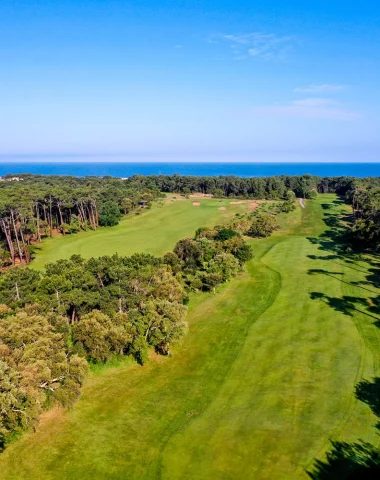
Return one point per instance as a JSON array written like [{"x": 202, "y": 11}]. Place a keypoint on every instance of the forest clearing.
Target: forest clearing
[
  {"x": 262, "y": 383},
  {"x": 153, "y": 231}
]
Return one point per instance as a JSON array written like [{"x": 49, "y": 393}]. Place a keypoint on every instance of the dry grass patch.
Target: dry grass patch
[{"x": 201, "y": 195}]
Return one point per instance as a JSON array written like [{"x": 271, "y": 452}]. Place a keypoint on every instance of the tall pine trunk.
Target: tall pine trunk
[
  {"x": 8, "y": 236},
  {"x": 17, "y": 239}
]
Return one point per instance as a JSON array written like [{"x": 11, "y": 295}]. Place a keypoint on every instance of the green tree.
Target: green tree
[
  {"x": 263, "y": 226},
  {"x": 109, "y": 214},
  {"x": 126, "y": 205},
  {"x": 225, "y": 234}
]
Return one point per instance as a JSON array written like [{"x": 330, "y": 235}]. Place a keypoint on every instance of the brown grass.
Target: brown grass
[
  {"x": 253, "y": 205},
  {"x": 201, "y": 195}
]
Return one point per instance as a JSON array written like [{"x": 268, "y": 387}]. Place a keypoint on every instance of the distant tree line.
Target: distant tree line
[
  {"x": 79, "y": 311},
  {"x": 273, "y": 188}
]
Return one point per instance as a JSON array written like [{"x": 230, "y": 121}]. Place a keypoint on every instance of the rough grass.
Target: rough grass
[
  {"x": 264, "y": 379},
  {"x": 154, "y": 231}
]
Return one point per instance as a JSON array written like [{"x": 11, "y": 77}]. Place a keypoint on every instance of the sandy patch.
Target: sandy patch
[
  {"x": 241, "y": 202},
  {"x": 253, "y": 205},
  {"x": 222, "y": 208},
  {"x": 201, "y": 195},
  {"x": 196, "y": 204}
]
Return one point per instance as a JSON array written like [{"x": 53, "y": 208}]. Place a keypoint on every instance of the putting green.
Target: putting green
[{"x": 264, "y": 379}]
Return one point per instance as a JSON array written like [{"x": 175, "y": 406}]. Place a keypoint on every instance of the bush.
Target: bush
[
  {"x": 244, "y": 253},
  {"x": 312, "y": 195},
  {"x": 287, "y": 207},
  {"x": 109, "y": 214},
  {"x": 74, "y": 226},
  {"x": 263, "y": 226},
  {"x": 225, "y": 234}
]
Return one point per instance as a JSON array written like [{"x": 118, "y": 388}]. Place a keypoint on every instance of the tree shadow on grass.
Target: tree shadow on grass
[
  {"x": 315, "y": 271},
  {"x": 369, "y": 393},
  {"x": 345, "y": 461},
  {"x": 357, "y": 460},
  {"x": 347, "y": 305},
  {"x": 344, "y": 261},
  {"x": 336, "y": 238}
]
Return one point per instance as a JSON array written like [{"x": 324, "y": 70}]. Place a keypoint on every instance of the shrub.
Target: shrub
[
  {"x": 225, "y": 234},
  {"x": 109, "y": 214},
  {"x": 263, "y": 226}
]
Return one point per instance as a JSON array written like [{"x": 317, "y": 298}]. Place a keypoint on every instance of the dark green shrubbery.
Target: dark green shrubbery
[
  {"x": 109, "y": 214},
  {"x": 225, "y": 234}
]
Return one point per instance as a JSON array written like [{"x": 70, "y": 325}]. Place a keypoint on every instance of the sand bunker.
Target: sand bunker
[
  {"x": 201, "y": 195},
  {"x": 196, "y": 204},
  {"x": 238, "y": 203}
]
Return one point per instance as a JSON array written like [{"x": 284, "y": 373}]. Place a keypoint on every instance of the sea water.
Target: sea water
[{"x": 127, "y": 169}]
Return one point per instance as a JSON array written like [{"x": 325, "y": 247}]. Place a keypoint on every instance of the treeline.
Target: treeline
[
  {"x": 364, "y": 197},
  {"x": 229, "y": 186},
  {"x": 82, "y": 311},
  {"x": 35, "y": 206}
]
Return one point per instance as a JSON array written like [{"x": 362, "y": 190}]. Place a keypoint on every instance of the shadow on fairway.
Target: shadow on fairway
[
  {"x": 347, "y": 305},
  {"x": 335, "y": 275},
  {"x": 345, "y": 461},
  {"x": 345, "y": 261},
  {"x": 369, "y": 393},
  {"x": 336, "y": 238},
  {"x": 357, "y": 460}
]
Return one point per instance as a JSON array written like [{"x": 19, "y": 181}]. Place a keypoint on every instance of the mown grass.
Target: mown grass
[
  {"x": 264, "y": 379},
  {"x": 153, "y": 231}
]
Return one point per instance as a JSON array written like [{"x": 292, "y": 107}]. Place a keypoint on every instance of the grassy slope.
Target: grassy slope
[
  {"x": 155, "y": 231},
  {"x": 265, "y": 377}
]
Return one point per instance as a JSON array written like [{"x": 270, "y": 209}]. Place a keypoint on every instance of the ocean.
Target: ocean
[{"x": 119, "y": 169}]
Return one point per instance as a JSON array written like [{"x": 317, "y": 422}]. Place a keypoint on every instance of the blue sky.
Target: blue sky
[{"x": 190, "y": 80}]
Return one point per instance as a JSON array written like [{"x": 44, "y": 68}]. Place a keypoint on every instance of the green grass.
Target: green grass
[
  {"x": 264, "y": 379},
  {"x": 154, "y": 231}
]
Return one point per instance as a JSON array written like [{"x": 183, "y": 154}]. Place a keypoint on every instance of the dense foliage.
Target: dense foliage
[
  {"x": 36, "y": 206},
  {"x": 36, "y": 368},
  {"x": 230, "y": 186},
  {"x": 79, "y": 310}
]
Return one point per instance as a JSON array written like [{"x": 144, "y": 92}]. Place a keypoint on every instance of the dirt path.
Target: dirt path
[{"x": 302, "y": 203}]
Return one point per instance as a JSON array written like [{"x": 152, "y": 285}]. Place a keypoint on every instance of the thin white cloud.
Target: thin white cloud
[
  {"x": 309, "y": 108},
  {"x": 324, "y": 88},
  {"x": 315, "y": 102},
  {"x": 257, "y": 44}
]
